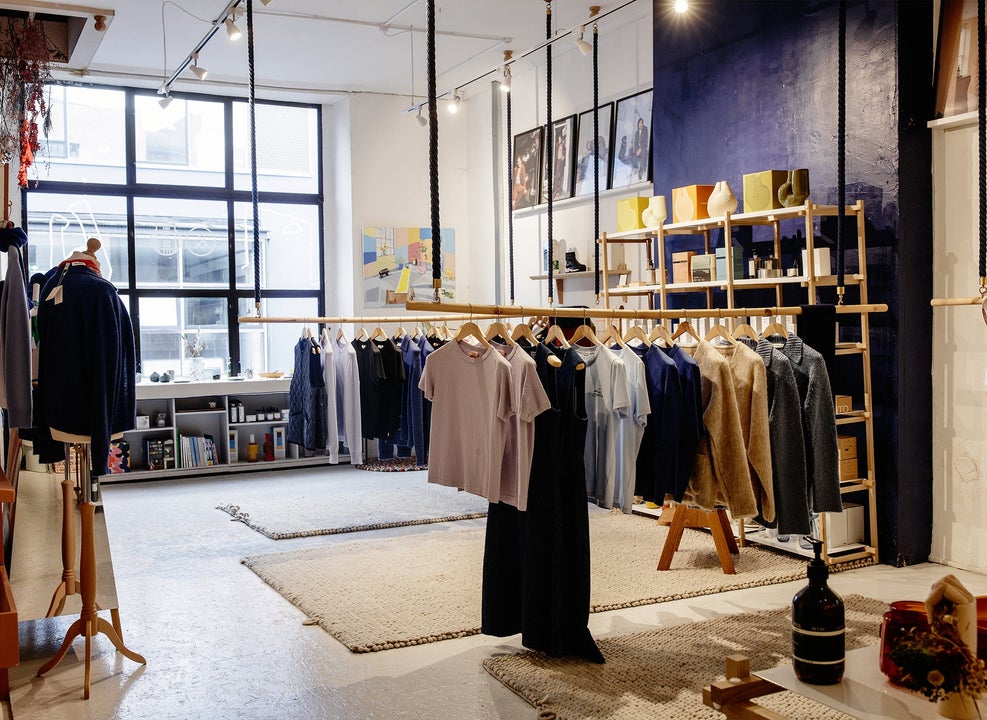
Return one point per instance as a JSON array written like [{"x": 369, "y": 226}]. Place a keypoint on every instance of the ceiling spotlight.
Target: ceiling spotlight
[
  {"x": 422, "y": 120},
  {"x": 232, "y": 30},
  {"x": 456, "y": 99},
  {"x": 265, "y": 3},
  {"x": 681, "y": 6},
  {"x": 166, "y": 100},
  {"x": 505, "y": 84},
  {"x": 200, "y": 72},
  {"x": 584, "y": 47}
]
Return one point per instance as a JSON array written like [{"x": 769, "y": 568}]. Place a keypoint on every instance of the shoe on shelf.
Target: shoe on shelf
[{"x": 571, "y": 264}]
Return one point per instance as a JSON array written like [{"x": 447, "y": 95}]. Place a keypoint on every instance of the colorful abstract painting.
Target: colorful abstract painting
[{"x": 397, "y": 265}]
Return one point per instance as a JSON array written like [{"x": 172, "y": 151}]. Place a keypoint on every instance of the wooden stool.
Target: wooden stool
[
  {"x": 89, "y": 623},
  {"x": 717, "y": 523}
]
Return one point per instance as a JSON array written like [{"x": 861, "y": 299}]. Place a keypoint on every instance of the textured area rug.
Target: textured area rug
[
  {"x": 355, "y": 511},
  {"x": 392, "y": 465},
  {"x": 381, "y": 594},
  {"x": 661, "y": 673}
]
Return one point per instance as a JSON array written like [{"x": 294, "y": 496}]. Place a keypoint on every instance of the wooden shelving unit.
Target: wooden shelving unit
[{"x": 806, "y": 217}]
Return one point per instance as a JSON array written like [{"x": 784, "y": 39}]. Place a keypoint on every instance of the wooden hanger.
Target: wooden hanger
[
  {"x": 340, "y": 335},
  {"x": 471, "y": 329},
  {"x": 685, "y": 328},
  {"x": 417, "y": 332},
  {"x": 612, "y": 335},
  {"x": 584, "y": 332},
  {"x": 399, "y": 333},
  {"x": 362, "y": 335},
  {"x": 325, "y": 334},
  {"x": 555, "y": 334},
  {"x": 636, "y": 332},
  {"x": 378, "y": 333},
  {"x": 495, "y": 329},
  {"x": 745, "y": 330},
  {"x": 774, "y": 329},
  {"x": 523, "y": 330},
  {"x": 718, "y": 332},
  {"x": 660, "y": 332},
  {"x": 306, "y": 333}
]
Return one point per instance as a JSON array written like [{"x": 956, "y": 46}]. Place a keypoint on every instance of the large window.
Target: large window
[{"x": 172, "y": 210}]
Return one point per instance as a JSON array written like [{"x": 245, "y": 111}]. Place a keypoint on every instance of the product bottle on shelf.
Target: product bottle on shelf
[
  {"x": 818, "y": 627},
  {"x": 268, "y": 447},
  {"x": 252, "y": 450}
]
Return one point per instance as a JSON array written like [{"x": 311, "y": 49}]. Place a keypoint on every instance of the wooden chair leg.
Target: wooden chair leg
[{"x": 673, "y": 539}]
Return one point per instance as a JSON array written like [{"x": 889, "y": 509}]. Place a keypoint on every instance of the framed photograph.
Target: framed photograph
[
  {"x": 632, "y": 141},
  {"x": 561, "y": 157},
  {"x": 956, "y": 59},
  {"x": 526, "y": 173},
  {"x": 584, "y": 150}
]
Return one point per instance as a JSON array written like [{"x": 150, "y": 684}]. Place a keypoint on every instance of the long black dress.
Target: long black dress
[{"x": 548, "y": 600}]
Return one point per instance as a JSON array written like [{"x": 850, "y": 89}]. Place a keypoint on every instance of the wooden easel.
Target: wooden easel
[
  {"x": 89, "y": 623},
  {"x": 715, "y": 520}
]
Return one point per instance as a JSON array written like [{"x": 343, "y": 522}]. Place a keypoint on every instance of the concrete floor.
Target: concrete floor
[{"x": 222, "y": 644}]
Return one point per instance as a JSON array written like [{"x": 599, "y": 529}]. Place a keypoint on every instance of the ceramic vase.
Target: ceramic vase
[
  {"x": 958, "y": 707},
  {"x": 656, "y": 213},
  {"x": 196, "y": 369},
  {"x": 794, "y": 191},
  {"x": 721, "y": 200}
]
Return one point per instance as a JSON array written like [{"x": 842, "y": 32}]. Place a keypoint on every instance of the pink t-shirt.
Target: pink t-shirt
[
  {"x": 472, "y": 403},
  {"x": 530, "y": 400}
]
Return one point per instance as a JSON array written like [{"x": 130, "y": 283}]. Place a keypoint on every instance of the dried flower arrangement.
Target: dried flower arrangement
[
  {"x": 194, "y": 344},
  {"x": 25, "y": 70},
  {"x": 937, "y": 663}
]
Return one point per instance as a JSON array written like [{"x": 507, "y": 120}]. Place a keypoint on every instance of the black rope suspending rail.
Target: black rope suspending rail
[
  {"x": 982, "y": 139},
  {"x": 253, "y": 152},
  {"x": 510, "y": 191},
  {"x": 596, "y": 165},
  {"x": 433, "y": 152},
  {"x": 841, "y": 152},
  {"x": 549, "y": 147}
]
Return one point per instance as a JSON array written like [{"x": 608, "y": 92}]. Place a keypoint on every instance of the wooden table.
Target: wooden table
[{"x": 864, "y": 693}]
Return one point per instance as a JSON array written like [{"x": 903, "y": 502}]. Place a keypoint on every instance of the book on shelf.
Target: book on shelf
[{"x": 154, "y": 451}]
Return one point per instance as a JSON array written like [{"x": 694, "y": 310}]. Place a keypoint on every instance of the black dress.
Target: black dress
[{"x": 547, "y": 594}]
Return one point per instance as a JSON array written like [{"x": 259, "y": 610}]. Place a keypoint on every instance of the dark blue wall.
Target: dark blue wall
[{"x": 742, "y": 86}]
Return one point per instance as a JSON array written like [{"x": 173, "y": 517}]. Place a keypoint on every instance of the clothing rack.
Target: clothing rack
[
  {"x": 480, "y": 311},
  {"x": 947, "y": 302},
  {"x": 365, "y": 320}
]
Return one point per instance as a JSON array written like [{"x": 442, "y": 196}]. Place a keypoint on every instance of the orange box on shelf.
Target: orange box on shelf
[
  {"x": 848, "y": 469},
  {"x": 847, "y": 446},
  {"x": 843, "y": 403},
  {"x": 761, "y": 190},
  {"x": 681, "y": 262},
  {"x": 689, "y": 202}
]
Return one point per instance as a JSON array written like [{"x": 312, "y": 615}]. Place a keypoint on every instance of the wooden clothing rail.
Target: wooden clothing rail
[
  {"x": 946, "y": 302},
  {"x": 502, "y": 311},
  {"x": 363, "y": 320}
]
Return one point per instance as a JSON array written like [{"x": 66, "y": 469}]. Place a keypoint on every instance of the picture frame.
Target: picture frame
[
  {"x": 584, "y": 145},
  {"x": 631, "y": 157},
  {"x": 562, "y": 159},
  {"x": 956, "y": 61},
  {"x": 526, "y": 165}
]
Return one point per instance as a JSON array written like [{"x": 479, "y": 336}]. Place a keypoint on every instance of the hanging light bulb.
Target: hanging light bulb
[
  {"x": 505, "y": 84},
  {"x": 232, "y": 31},
  {"x": 456, "y": 99},
  {"x": 584, "y": 47},
  {"x": 681, "y": 6},
  {"x": 422, "y": 120},
  {"x": 199, "y": 72}
]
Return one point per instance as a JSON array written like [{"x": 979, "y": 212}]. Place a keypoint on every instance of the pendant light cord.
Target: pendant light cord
[
  {"x": 510, "y": 197},
  {"x": 253, "y": 152},
  {"x": 433, "y": 153},
  {"x": 841, "y": 151},
  {"x": 596, "y": 166},
  {"x": 549, "y": 146}
]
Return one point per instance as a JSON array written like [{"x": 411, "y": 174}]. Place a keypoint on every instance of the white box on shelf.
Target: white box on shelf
[
  {"x": 821, "y": 261},
  {"x": 845, "y": 528},
  {"x": 143, "y": 422}
]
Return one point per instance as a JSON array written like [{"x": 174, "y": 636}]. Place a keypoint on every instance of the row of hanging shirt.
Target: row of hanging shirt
[{"x": 743, "y": 423}]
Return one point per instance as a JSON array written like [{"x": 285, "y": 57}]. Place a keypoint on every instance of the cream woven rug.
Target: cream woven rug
[
  {"x": 380, "y": 594},
  {"x": 355, "y": 511},
  {"x": 661, "y": 673}
]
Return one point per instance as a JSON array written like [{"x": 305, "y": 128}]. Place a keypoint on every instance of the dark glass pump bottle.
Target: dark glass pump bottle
[{"x": 818, "y": 627}]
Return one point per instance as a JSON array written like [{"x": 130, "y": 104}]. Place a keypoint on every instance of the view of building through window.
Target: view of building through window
[{"x": 177, "y": 229}]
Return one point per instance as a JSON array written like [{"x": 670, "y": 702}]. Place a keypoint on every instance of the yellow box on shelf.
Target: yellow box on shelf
[
  {"x": 629, "y": 213},
  {"x": 761, "y": 190},
  {"x": 689, "y": 202}
]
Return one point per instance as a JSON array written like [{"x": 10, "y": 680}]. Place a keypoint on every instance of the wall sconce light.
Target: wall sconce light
[
  {"x": 200, "y": 72},
  {"x": 584, "y": 47}
]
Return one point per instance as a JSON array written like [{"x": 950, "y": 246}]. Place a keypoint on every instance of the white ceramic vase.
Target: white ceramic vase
[
  {"x": 721, "y": 200},
  {"x": 958, "y": 707},
  {"x": 656, "y": 213}
]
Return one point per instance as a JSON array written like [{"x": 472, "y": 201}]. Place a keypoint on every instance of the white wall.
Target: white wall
[{"x": 959, "y": 355}]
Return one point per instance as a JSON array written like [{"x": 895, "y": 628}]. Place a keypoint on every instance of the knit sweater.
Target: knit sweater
[
  {"x": 15, "y": 334},
  {"x": 720, "y": 475}
]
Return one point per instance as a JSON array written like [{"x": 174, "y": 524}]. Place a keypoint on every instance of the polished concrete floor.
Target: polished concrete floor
[{"x": 222, "y": 644}]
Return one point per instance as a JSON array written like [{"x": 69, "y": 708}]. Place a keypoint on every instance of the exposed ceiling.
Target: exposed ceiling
[{"x": 316, "y": 50}]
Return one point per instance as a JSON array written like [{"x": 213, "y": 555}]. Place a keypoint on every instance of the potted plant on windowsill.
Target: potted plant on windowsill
[{"x": 25, "y": 70}]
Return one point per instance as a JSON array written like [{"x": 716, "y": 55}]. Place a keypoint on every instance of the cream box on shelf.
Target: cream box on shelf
[
  {"x": 821, "y": 260},
  {"x": 844, "y": 528}
]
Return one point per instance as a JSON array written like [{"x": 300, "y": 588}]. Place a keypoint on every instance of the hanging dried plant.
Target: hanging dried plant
[{"x": 25, "y": 70}]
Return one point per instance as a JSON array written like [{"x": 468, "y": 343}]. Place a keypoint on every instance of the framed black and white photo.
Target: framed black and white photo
[
  {"x": 561, "y": 157},
  {"x": 632, "y": 141},
  {"x": 584, "y": 150},
  {"x": 526, "y": 169}
]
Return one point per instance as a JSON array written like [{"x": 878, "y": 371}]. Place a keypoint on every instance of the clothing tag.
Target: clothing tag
[
  {"x": 474, "y": 354},
  {"x": 56, "y": 295}
]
